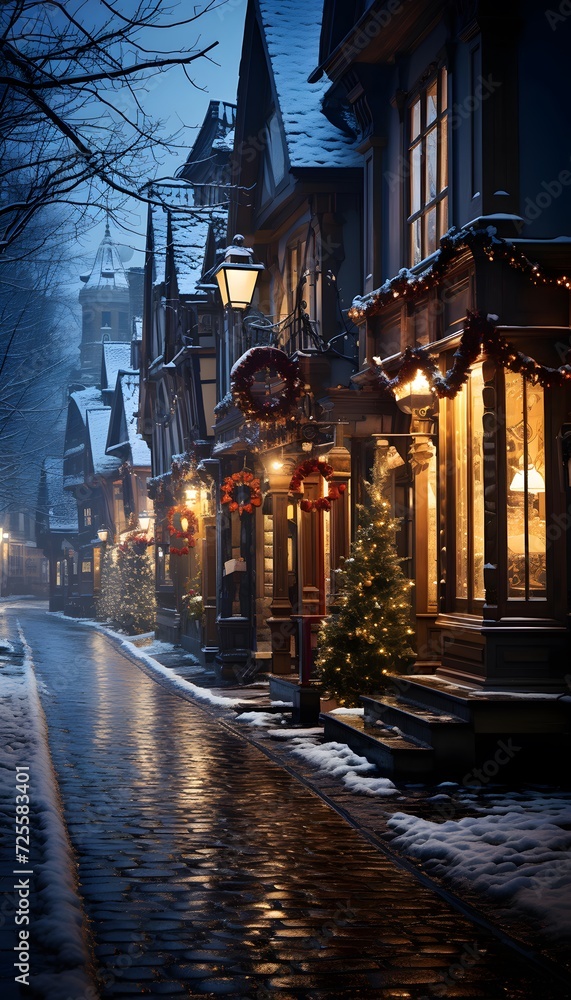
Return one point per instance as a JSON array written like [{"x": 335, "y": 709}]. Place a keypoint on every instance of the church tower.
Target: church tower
[{"x": 106, "y": 308}]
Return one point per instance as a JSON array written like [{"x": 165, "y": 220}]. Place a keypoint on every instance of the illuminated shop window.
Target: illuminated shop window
[
  {"x": 468, "y": 474},
  {"x": 525, "y": 461}
]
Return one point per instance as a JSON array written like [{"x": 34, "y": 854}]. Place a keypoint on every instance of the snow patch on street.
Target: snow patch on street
[
  {"x": 57, "y": 917},
  {"x": 337, "y": 759},
  {"x": 517, "y": 851},
  {"x": 260, "y": 718}
]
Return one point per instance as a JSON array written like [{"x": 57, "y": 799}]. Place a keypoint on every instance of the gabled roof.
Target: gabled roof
[
  {"x": 108, "y": 271},
  {"x": 86, "y": 398},
  {"x": 115, "y": 357},
  {"x": 123, "y": 421},
  {"x": 216, "y": 135},
  {"x": 60, "y": 513},
  {"x": 97, "y": 430},
  {"x": 291, "y": 32}
]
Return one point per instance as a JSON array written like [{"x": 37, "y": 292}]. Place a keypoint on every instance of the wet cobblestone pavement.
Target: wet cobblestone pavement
[{"x": 206, "y": 870}]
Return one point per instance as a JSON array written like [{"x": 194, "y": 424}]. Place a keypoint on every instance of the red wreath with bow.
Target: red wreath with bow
[
  {"x": 229, "y": 496},
  {"x": 188, "y": 528},
  {"x": 307, "y": 468}
]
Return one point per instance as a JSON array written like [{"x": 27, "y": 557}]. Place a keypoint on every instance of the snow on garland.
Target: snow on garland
[
  {"x": 242, "y": 376},
  {"x": 408, "y": 285},
  {"x": 188, "y": 528},
  {"x": 307, "y": 468},
  {"x": 479, "y": 334},
  {"x": 231, "y": 488}
]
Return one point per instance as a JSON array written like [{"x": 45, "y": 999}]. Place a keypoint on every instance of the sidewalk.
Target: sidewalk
[{"x": 503, "y": 852}]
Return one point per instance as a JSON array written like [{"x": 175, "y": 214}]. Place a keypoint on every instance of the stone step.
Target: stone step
[
  {"x": 395, "y": 756},
  {"x": 486, "y": 711},
  {"x": 449, "y": 736}
]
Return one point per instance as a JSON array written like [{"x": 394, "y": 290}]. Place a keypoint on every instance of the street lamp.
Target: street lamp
[
  {"x": 415, "y": 396},
  {"x": 144, "y": 521},
  {"x": 237, "y": 275},
  {"x": 103, "y": 534}
]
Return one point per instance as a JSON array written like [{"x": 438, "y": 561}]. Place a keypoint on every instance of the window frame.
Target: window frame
[{"x": 427, "y": 204}]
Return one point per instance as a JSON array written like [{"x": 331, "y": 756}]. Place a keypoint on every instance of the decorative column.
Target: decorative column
[
  {"x": 280, "y": 623},
  {"x": 339, "y": 541}
]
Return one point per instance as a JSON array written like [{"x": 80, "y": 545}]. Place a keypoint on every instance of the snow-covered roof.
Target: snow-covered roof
[
  {"x": 86, "y": 399},
  {"x": 62, "y": 507},
  {"x": 190, "y": 235},
  {"x": 116, "y": 358},
  {"x": 108, "y": 270},
  {"x": 140, "y": 451},
  {"x": 98, "y": 429},
  {"x": 292, "y": 30}
]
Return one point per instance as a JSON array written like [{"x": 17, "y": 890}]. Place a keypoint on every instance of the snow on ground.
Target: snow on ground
[
  {"x": 347, "y": 711},
  {"x": 260, "y": 718},
  {"x": 516, "y": 850},
  {"x": 340, "y": 761},
  {"x": 57, "y": 916}
]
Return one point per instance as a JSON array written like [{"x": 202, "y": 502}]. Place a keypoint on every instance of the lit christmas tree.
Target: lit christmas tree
[
  {"x": 128, "y": 586},
  {"x": 369, "y": 637}
]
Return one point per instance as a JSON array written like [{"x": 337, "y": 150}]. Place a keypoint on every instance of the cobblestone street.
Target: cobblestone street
[{"x": 207, "y": 870}]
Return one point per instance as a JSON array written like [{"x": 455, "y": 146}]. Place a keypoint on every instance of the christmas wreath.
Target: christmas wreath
[
  {"x": 243, "y": 376},
  {"x": 188, "y": 528},
  {"x": 307, "y": 468},
  {"x": 232, "y": 495}
]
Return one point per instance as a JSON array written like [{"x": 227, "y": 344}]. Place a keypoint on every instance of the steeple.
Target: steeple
[{"x": 105, "y": 306}]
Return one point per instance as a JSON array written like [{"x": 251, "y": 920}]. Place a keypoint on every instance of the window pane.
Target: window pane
[
  {"x": 415, "y": 179},
  {"x": 432, "y": 539},
  {"x": 477, "y": 468},
  {"x": 461, "y": 493},
  {"x": 535, "y": 483},
  {"x": 431, "y": 103},
  {"x": 526, "y": 489},
  {"x": 443, "y": 216},
  {"x": 416, "y": 238},
  {"x": 443, "y": 153},
  {"x": 443, "y": 89},
  {"x": 415, "y": 120},
  {"x": 431, "y": 157},
  {"x": 430, "y": 232}
]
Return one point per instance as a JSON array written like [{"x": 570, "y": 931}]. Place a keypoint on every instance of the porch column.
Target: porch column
[
  {"x": 280, "y": 623},
  {"x": 339, "y": 542}
]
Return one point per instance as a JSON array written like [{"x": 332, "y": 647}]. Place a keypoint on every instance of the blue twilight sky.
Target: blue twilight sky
[{"x": 173, "y": 99}]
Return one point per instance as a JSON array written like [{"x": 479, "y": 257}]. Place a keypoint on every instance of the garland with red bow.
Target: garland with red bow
[
  {"x": 233, "y": 483},
  {"x": 243, "y": 376},
  {"x": 307, "y": 468},
  {"x": 186, "y": 534}
]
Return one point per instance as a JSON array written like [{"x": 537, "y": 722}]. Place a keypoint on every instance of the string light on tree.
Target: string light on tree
[{"x": 370, "y": 634}]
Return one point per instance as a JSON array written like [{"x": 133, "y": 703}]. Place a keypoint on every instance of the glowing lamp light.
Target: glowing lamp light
[
  {"x": 237, "y": 275},
  {"x": 184, "y": 524},
  {"x": 535, "y": 481},
  {"x": 144, "y": 521},
  {"x": 415, "y": 395},
  {"x": 191, "y": 494},
  {"x": 103, "y": 534}
]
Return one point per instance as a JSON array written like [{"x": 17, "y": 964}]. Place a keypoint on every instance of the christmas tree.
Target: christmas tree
[
  {"x": 128, "y": 586},
  {"x": 369, "y": 636}
]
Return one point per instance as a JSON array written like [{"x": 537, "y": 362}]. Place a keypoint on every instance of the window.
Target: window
[
  {"x": 87, "y": 517},
  {"x": 273, "y": 160},
  {"x": 428, "y": 168},
  {"x": 468, "y": 476},
  {"x": 16, "y": 560},
  {"x": 86, "y": 565},
  {"x": 525, "y": 461},
  {"x": 106, "y": 319},
  {"x": 123, "y": 322}
]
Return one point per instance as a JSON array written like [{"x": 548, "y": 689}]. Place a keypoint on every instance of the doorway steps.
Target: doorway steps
[{"x": 427, "y": 727}]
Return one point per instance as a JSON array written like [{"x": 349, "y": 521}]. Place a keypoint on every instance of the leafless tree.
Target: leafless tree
[
  {"x": 39, "y": 326},
  {"x": 73, "y": 126}
]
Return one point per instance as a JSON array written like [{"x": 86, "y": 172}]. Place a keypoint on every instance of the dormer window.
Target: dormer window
[
  {"x": 273, "y": 161},
  {"x": 428, "y": 167}
]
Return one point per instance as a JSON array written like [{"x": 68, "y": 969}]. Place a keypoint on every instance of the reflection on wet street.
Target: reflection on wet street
[{"x": 206, "y": 870}]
